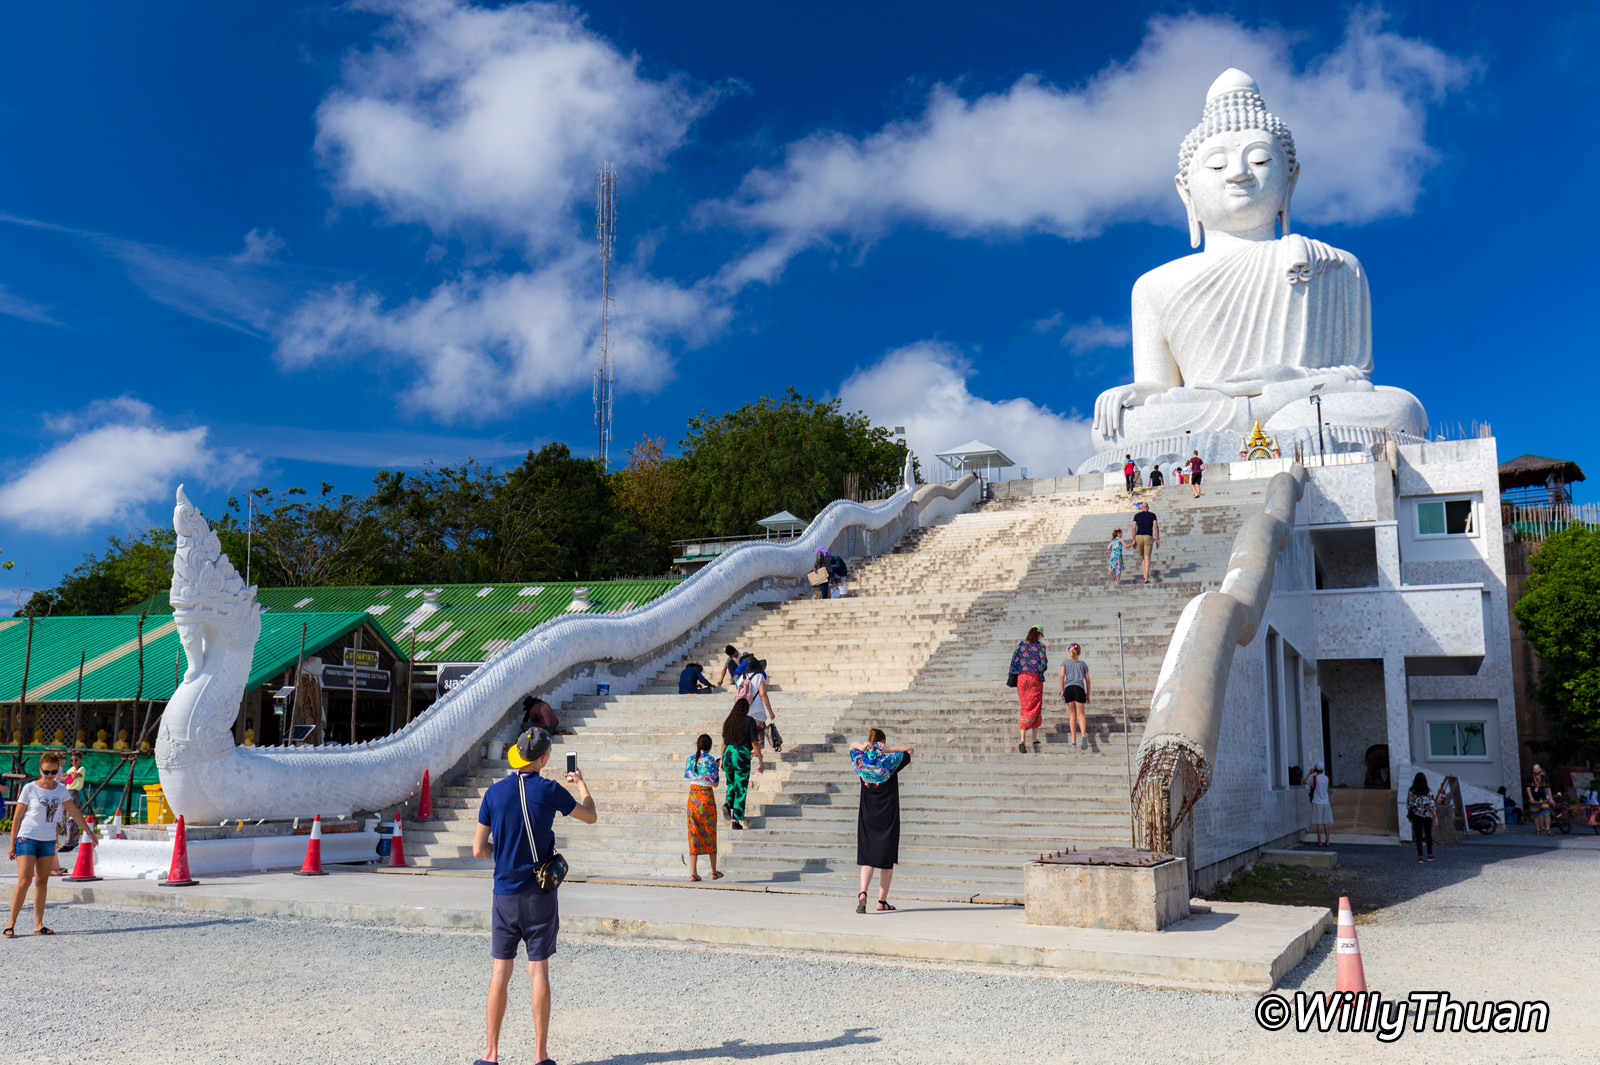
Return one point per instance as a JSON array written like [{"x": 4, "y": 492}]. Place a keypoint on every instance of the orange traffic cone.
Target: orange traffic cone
[
  {"x": 425, "y": 804},
  {"x": 83, "y": 868},
  {"x": 178, "y": 875},
  {"x": 1351, "y": 976},
  {"x": 397, "y": 848},
  {"x": 312, "y": 866}
]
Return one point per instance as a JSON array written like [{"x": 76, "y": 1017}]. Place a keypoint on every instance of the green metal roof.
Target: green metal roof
[
  {"x": 111, "y": 673},
  {"x": 472, "y": 621}
]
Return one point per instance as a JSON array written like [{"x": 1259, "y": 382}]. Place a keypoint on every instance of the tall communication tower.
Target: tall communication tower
[{"x": 605, "y": 231}]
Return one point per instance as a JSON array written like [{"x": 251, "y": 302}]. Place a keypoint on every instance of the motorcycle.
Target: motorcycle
[{"x": 1481, "y": 818}]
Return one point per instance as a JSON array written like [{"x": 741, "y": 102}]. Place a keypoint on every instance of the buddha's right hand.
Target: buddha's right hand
[{"x": 1109, "y": 406}]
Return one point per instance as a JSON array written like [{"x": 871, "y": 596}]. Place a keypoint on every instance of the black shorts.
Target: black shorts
[
  {"x": 533, "y": 919},
  {"x": 1194, "y": 478},
  {"x": 1075, "y": 694}
]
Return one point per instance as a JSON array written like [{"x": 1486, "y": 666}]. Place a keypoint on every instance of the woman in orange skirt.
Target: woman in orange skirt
[
  {"x": 701, "y": 773},
  {"x": 1028, "y": 664}
]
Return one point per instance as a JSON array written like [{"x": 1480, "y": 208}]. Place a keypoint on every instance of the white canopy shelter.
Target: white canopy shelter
[
  {"x": 783, "y": 524},
  {"x": 975, "y": 457}
]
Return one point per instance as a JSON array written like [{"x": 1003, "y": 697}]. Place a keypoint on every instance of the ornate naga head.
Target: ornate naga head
[
  {"x": 206, "y": 589},
  {"x": 1237, "y": 168}
]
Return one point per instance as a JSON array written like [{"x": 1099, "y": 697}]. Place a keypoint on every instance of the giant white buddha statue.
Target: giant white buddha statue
[{"x": 1244, "y": 329}]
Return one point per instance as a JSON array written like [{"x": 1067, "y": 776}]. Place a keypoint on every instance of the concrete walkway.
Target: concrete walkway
[{"x": 1235, "y": 946}]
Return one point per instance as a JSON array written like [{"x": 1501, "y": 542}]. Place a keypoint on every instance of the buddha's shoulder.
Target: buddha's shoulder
[{"x": 1155, "y": 286}]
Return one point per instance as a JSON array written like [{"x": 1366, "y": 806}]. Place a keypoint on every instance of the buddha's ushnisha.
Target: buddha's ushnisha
[{"x": 1241, "y": 330}]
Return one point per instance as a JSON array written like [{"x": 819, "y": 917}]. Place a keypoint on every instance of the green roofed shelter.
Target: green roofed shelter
[
  {"x": 450, "y": 622},
  {"x": 111, "y": 644}
]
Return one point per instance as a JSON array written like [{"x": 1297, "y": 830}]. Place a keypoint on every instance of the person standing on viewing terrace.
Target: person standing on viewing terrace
[
  {"x": 878, "y": 820},
  {"x": 34, "y": 816},
  {"x": 515, "y": 828},
  {"x": 701, "y": 773},
  {"x": 740, "y": 736},
  {"x": 1028, "y": 665},
  {"x": 1197, "y": 467}
]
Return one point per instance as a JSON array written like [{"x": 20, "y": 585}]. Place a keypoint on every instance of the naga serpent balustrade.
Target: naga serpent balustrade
[{"x": 208, "y": 779}]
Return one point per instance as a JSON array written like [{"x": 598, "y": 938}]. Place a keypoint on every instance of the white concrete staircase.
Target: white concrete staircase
[{"x": 920, "y": 651}]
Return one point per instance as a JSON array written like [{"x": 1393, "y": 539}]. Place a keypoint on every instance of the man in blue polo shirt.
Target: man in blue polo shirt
[{"x": 522, "y": 913}]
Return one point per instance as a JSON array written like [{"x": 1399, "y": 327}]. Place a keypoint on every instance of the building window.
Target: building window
[
  {"x": 1446, "y": 517},
  {"x": 1457, "y": 739}
]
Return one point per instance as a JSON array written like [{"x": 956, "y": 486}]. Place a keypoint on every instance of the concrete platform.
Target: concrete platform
[{"x": 1235, "y": 946}]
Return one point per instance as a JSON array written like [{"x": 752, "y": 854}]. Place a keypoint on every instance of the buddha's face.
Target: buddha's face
[{"x": 1239, "y": 181}]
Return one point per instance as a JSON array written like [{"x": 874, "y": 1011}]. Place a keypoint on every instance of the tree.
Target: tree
[
  {"x": 786, "y": 454},
  {"x": 128, "y": 572},
  {"x": 301, "y": 542},
  {"x": 1560, "y": 616},
  {"x": 650, "y": 492}
]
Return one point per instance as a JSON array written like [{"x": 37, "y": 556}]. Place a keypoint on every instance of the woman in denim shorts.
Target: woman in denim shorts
[{"x": 42, "y": 806}]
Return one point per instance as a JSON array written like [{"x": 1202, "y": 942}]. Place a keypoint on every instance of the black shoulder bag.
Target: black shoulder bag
[{"x": 548, "y": 874}]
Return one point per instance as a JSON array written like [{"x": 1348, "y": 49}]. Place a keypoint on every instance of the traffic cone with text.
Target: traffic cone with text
[
  {"x": 83, "y": 868},
  {"x": 425, "y": 804},
  {"x": 1351, "y": 976},
  {"x": 312, "y": 866},
  {"x": 178, "y": 875},
  {"x": 397, "y": 846}
]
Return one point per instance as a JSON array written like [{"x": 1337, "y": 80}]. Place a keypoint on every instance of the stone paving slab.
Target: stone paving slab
[{"x": 1235, "y": 946}]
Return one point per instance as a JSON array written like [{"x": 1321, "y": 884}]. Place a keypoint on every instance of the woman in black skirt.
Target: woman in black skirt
[{"x": 878, "y": 823}]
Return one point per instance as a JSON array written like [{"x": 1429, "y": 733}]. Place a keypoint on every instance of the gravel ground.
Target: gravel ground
[{"x": 142, "y": 987}]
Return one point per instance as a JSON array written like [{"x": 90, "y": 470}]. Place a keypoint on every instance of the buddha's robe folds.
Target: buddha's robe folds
[
  {"x": 1269, "y": 304},
  {"x": 1292, "y": 302}
]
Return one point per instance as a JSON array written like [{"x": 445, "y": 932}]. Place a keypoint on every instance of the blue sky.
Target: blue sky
[{"x": 266, "y": 243}]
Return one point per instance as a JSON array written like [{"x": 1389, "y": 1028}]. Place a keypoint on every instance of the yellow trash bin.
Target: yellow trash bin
[{"x": 157, "y": 812}]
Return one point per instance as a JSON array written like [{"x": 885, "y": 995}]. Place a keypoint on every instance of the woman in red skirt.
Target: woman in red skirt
[{"x": 1028, "y": 664}]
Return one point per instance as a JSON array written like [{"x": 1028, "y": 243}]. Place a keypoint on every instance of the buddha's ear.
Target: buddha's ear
[
  {"x": 1196, "y": 228},
  {"x": 1288, "y": 194}
]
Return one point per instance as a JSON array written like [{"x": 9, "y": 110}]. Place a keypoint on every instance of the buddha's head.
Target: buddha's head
[{"x": 1237, "y": 168}]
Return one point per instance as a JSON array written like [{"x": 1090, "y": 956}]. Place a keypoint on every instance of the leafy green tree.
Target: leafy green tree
[
  {"x": 130, "y": 570},
  {"x": 1560, "y": 616},
  {"x": 303, "y": 541},
  {"x": 789, "y": 454},
  {"x": 649, "y": 492}
]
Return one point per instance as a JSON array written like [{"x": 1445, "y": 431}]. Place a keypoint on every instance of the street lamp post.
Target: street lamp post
[{"x": 1316, "y": 401}]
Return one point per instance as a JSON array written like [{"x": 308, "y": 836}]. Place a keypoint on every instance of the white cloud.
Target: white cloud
[
  {"x": 117, "y": 462},
  {"x": 924, "y": 387},
  {"x": 14, "y": 306},
  {"x": 496, "y": 116},
  {"x": 1072, "y": 161},
  {"x": 259, "y": 247},
  {"x": 491, "y": 123},
  {"x": 481, "y": 346},
  {"x": 1094, "y": 335}
]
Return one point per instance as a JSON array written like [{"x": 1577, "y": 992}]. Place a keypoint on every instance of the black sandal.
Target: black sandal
[
  {"x": 883, "y": 905},
  {"x": 43, "y": 931},
  {"x": 11, "y": 933},
  {"x": 861, "y": 903}
]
